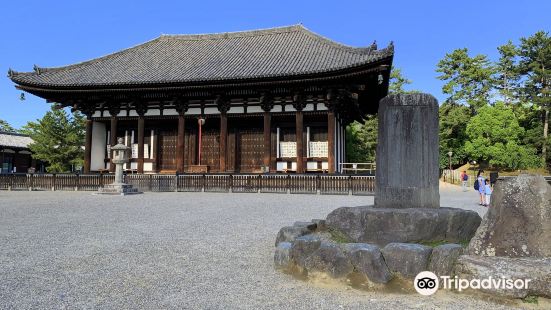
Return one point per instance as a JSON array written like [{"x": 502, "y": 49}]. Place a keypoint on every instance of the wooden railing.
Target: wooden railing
[{"x": 324, "y": 184}]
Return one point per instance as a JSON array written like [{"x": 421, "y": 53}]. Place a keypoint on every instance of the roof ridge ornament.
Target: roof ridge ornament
[
  {"x": 36, "y": 69},
  {"x": 374, "y": 45}
]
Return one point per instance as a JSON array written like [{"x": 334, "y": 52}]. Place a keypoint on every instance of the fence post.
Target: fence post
[
  {"x": 30, "y": 182},
  {"x": 349, "y": 182},
  {"x": 176, "y": 182},
  {"x": 288, "y": 185},
  {"x": 53, "y": 181},
  {"x": 77, "y": 183},
  {"x": 150, "y": 182},
  {"x": 10, "y": 181},
  {"x": 318, "y": 184}
]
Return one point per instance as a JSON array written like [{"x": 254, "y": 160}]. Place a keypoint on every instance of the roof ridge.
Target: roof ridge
[
  {"x": 2, "y": 132},
  {"x": 364, "y": 50},
  {"x": 234, "y": 34}
]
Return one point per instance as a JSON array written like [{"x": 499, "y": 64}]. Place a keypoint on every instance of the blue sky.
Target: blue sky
[{"x": 57, "y": 33}]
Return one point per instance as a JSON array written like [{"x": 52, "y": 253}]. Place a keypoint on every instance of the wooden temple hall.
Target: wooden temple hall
[{"x": 273, "y": 100}]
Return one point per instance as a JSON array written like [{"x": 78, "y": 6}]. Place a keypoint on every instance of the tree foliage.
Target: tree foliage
[
  {"x": 535, "y": 65},
  {"x": 58, "y": 139},
  {"x": 513, "y": 90},
  {"x": 6, "y": 127},
  {"x": 468, "y": 79},
  {"x": 507, "y": 77},
  {"x": 453, "y": 119},
  {"x": 494, "y": 136},
  {"x": 361, "y": 140}
]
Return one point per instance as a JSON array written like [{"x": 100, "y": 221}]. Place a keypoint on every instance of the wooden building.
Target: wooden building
[
  {"x": 15, "y": 155},
  {"x": 255, "y": 101}
]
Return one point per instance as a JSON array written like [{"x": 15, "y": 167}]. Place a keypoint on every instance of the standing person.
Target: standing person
[
  {"x": 487, "y": 192},
  {"x": 464, "y": 179},
  {"x": 479, "y": 186}
]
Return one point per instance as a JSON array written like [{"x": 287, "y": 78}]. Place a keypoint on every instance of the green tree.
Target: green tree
[
  {"x": 58, "y": 139},
  {"x": 535, "y": 65},
  {"x": 468, "y": 79},
  {"x": 494, "y": 137},
  {"x": 361, "y": 140},
  {"x": 453, "y": 120},
  {"x": 507, "y": 77},
  {"x": 6, "y": 127},
  {"x": 397, "y": 82}
]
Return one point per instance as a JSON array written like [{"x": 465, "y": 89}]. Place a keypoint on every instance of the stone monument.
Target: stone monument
[
  {"x": 120, "y": 157},
  {"x": 407, "y": 173},
  {"x": 407, "y": 199},
  {"x": 389, "y": 239}
]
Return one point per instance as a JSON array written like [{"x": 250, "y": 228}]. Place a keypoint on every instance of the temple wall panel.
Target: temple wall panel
[
  {"x": 99, "y": 144},
  {"x": 170, "y": 112},
  {"x": 194, "y": 111},
  {"x": 254, "y": 109},
  {"x": 236, "y": 110},
  {"x": 211, "y": 110},
  {"x": 153, "y": 112}
]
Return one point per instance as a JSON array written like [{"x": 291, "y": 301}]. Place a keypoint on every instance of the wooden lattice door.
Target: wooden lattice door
[
  {"x": 210, "y": 149},
  {"x": 250, "y": 146},
  {"x": 167, "y": 150}
]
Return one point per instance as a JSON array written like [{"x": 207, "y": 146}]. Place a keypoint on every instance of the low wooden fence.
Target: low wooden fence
[{"x": 324, "y": 184}]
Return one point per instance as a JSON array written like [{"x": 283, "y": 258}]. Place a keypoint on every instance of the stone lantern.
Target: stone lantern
[{"x": 120, "y": 157}]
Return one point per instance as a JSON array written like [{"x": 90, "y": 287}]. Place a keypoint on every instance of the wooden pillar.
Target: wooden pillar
[
  {"x": 113, "y": 141},
  {"x": 223, "y": 140},
  {"x": 267, "y": 139},
  {"x": 300, "y": 142},
  {"x": 180, "y": 144},
  {"x": 331, "y": 141},
  {"x": 88, "y": 145},
  {"x": 141, "y": 125}
]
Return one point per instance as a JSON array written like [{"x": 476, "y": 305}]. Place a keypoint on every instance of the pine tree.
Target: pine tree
[
  {"x": 535, "y": 65},
  {"x": 397, "y": 82},
  {"x": 507, "y": 77},
  {"x": 6, "y": 127},
  {"x": 468, "y": 79},
  {"x": 58, "y": 139}
]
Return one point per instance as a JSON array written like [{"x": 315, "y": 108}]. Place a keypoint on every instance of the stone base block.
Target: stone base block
[
  {"x": 381, "y": 226},
  {"x": 118, "y": 189}
]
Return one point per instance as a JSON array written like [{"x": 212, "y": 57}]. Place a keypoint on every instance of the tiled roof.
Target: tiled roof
[
  {"x": 14, "y": 140},
  {"x": 276, "y": 52}
]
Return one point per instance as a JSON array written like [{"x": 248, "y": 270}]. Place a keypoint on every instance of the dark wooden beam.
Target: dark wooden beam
[
  {"x": 180, "y": 144},
  {"x": 223, "y": 140},
  {"x": 113, "y": 142},
  {"x": 141, "y": 126},
  {"x": 331, "y": 141},
  {"x": 267, "y": 103},
  {"x": 267, "y": 138},
  {"x": 88, "y": 146},
  {"x": 300, "y": 141}
]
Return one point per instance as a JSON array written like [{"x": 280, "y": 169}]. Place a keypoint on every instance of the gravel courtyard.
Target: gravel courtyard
[{"x": 174, "y": 250}]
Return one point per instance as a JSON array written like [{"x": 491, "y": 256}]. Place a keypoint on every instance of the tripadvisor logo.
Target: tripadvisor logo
[{"x": 427, "y": 283}]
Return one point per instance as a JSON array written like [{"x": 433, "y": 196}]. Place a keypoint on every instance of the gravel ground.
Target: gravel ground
[{"x": 173, "y": 250}]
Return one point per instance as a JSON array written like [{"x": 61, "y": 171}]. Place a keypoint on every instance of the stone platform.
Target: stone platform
[
  {"x": 369, "y": 224},
  {"x": 122, "y": 189}
]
